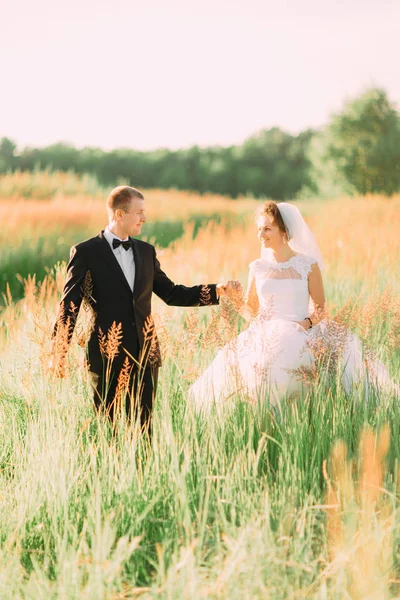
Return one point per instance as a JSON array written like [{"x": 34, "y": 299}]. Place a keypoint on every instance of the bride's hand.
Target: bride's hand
[
  {"x": 303, "y": 324},
  {"x": 229, "y": 288}
]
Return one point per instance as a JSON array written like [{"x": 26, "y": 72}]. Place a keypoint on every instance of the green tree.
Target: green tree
[
  {"x": 323, "y": 178},
  {"x": 7, "y": 155},
  {"x": 364, "y": 143},
  {"x": 273, "y": 163}
]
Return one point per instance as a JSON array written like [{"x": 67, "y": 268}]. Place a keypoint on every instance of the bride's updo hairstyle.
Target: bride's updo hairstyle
[{"x": 270, "y": 209}]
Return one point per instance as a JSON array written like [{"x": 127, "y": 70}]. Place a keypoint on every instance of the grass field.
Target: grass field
[
  {"x": 44, "y": 214},
  {"x": 252, "y": 503}
]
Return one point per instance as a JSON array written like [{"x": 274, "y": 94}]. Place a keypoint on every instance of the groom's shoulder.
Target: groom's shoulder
[
  {"x": 143, "y": 246},
  {"x": 85, "y": 245}
]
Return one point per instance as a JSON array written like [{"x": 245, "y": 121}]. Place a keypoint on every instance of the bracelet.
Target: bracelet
[{"x": 308, "y": 319}]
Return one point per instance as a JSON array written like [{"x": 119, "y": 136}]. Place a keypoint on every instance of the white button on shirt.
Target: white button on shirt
[{"x": 124, "y": 257}]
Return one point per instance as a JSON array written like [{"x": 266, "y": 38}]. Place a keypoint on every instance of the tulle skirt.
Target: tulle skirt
[{"x": 275, "y": 359}]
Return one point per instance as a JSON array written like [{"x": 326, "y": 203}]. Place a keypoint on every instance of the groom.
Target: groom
[{"x": 115, "y": 275}]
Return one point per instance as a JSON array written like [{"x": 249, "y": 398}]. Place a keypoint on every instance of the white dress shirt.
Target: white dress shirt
[{"x": 124, "y": 257}]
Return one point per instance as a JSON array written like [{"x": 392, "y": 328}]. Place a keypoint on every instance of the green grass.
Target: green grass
[
  {"x": 208, "y": 492},
  {"x": 222, "y": 504}
]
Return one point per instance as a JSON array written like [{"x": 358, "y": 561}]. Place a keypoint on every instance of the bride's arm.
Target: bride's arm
[
  {"x": 248, "y": 306},
  {"x": 316, "y": 290}
]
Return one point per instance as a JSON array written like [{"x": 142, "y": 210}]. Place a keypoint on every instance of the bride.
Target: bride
[{"x": 285, "y": 304}]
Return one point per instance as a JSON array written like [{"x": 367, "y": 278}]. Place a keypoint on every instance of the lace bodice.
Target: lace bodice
[{"x": 282, "y": 288}]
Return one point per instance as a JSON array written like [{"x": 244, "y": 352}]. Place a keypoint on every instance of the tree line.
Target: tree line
[{"x": 357, "y": 152}]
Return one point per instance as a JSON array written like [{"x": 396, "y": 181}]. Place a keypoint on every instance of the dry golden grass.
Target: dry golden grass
[
  {"x": 217, "y": 254},
  {"x": 360, "y": 518},
  {"x": 358, "y": 239},
  {"x": 359, "y": 236},
  {"x": 42, "y": 185},
  {"x": 21, "y": 217},
  {"x": 354, "y": 233}
]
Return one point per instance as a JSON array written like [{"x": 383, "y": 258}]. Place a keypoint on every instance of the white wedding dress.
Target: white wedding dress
[{"x": 267, "y": 361}]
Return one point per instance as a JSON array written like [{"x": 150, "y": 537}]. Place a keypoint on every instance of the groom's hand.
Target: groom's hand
[{"x": 229, "y": 288}]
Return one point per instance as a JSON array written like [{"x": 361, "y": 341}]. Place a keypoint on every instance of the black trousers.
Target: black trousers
[{"x": 135, "y": 397}]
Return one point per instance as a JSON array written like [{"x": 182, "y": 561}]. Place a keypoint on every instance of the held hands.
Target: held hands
[{"x": 231, "y": 289}]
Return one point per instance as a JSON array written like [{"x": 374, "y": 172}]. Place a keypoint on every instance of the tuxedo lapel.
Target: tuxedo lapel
[
  {"x": 138, "y": 265},
  {"x": 109, "y": 257}
]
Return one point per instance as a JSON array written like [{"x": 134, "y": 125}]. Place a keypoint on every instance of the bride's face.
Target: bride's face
[{"x": 268, "y": 233}]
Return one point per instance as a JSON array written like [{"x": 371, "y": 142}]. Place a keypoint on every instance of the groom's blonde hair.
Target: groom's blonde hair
[
  {"x": 121, "y": 197},
  {"x": 271, "y": 209}
]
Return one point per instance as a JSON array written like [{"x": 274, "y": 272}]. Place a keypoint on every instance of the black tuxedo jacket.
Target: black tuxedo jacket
[{"x": 94, "y": 274}]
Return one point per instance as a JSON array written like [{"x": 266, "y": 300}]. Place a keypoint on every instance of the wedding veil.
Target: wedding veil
[{"x": 300, "y": 237}]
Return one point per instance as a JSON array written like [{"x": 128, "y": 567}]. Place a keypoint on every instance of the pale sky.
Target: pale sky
[{"x": 173, "y": 73}]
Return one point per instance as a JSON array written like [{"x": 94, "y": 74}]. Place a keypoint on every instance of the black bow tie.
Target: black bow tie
[{"x": 117, "y": 243}]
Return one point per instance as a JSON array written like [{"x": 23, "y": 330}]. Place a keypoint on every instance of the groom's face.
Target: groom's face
[{"x": 132, "y": 220}]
